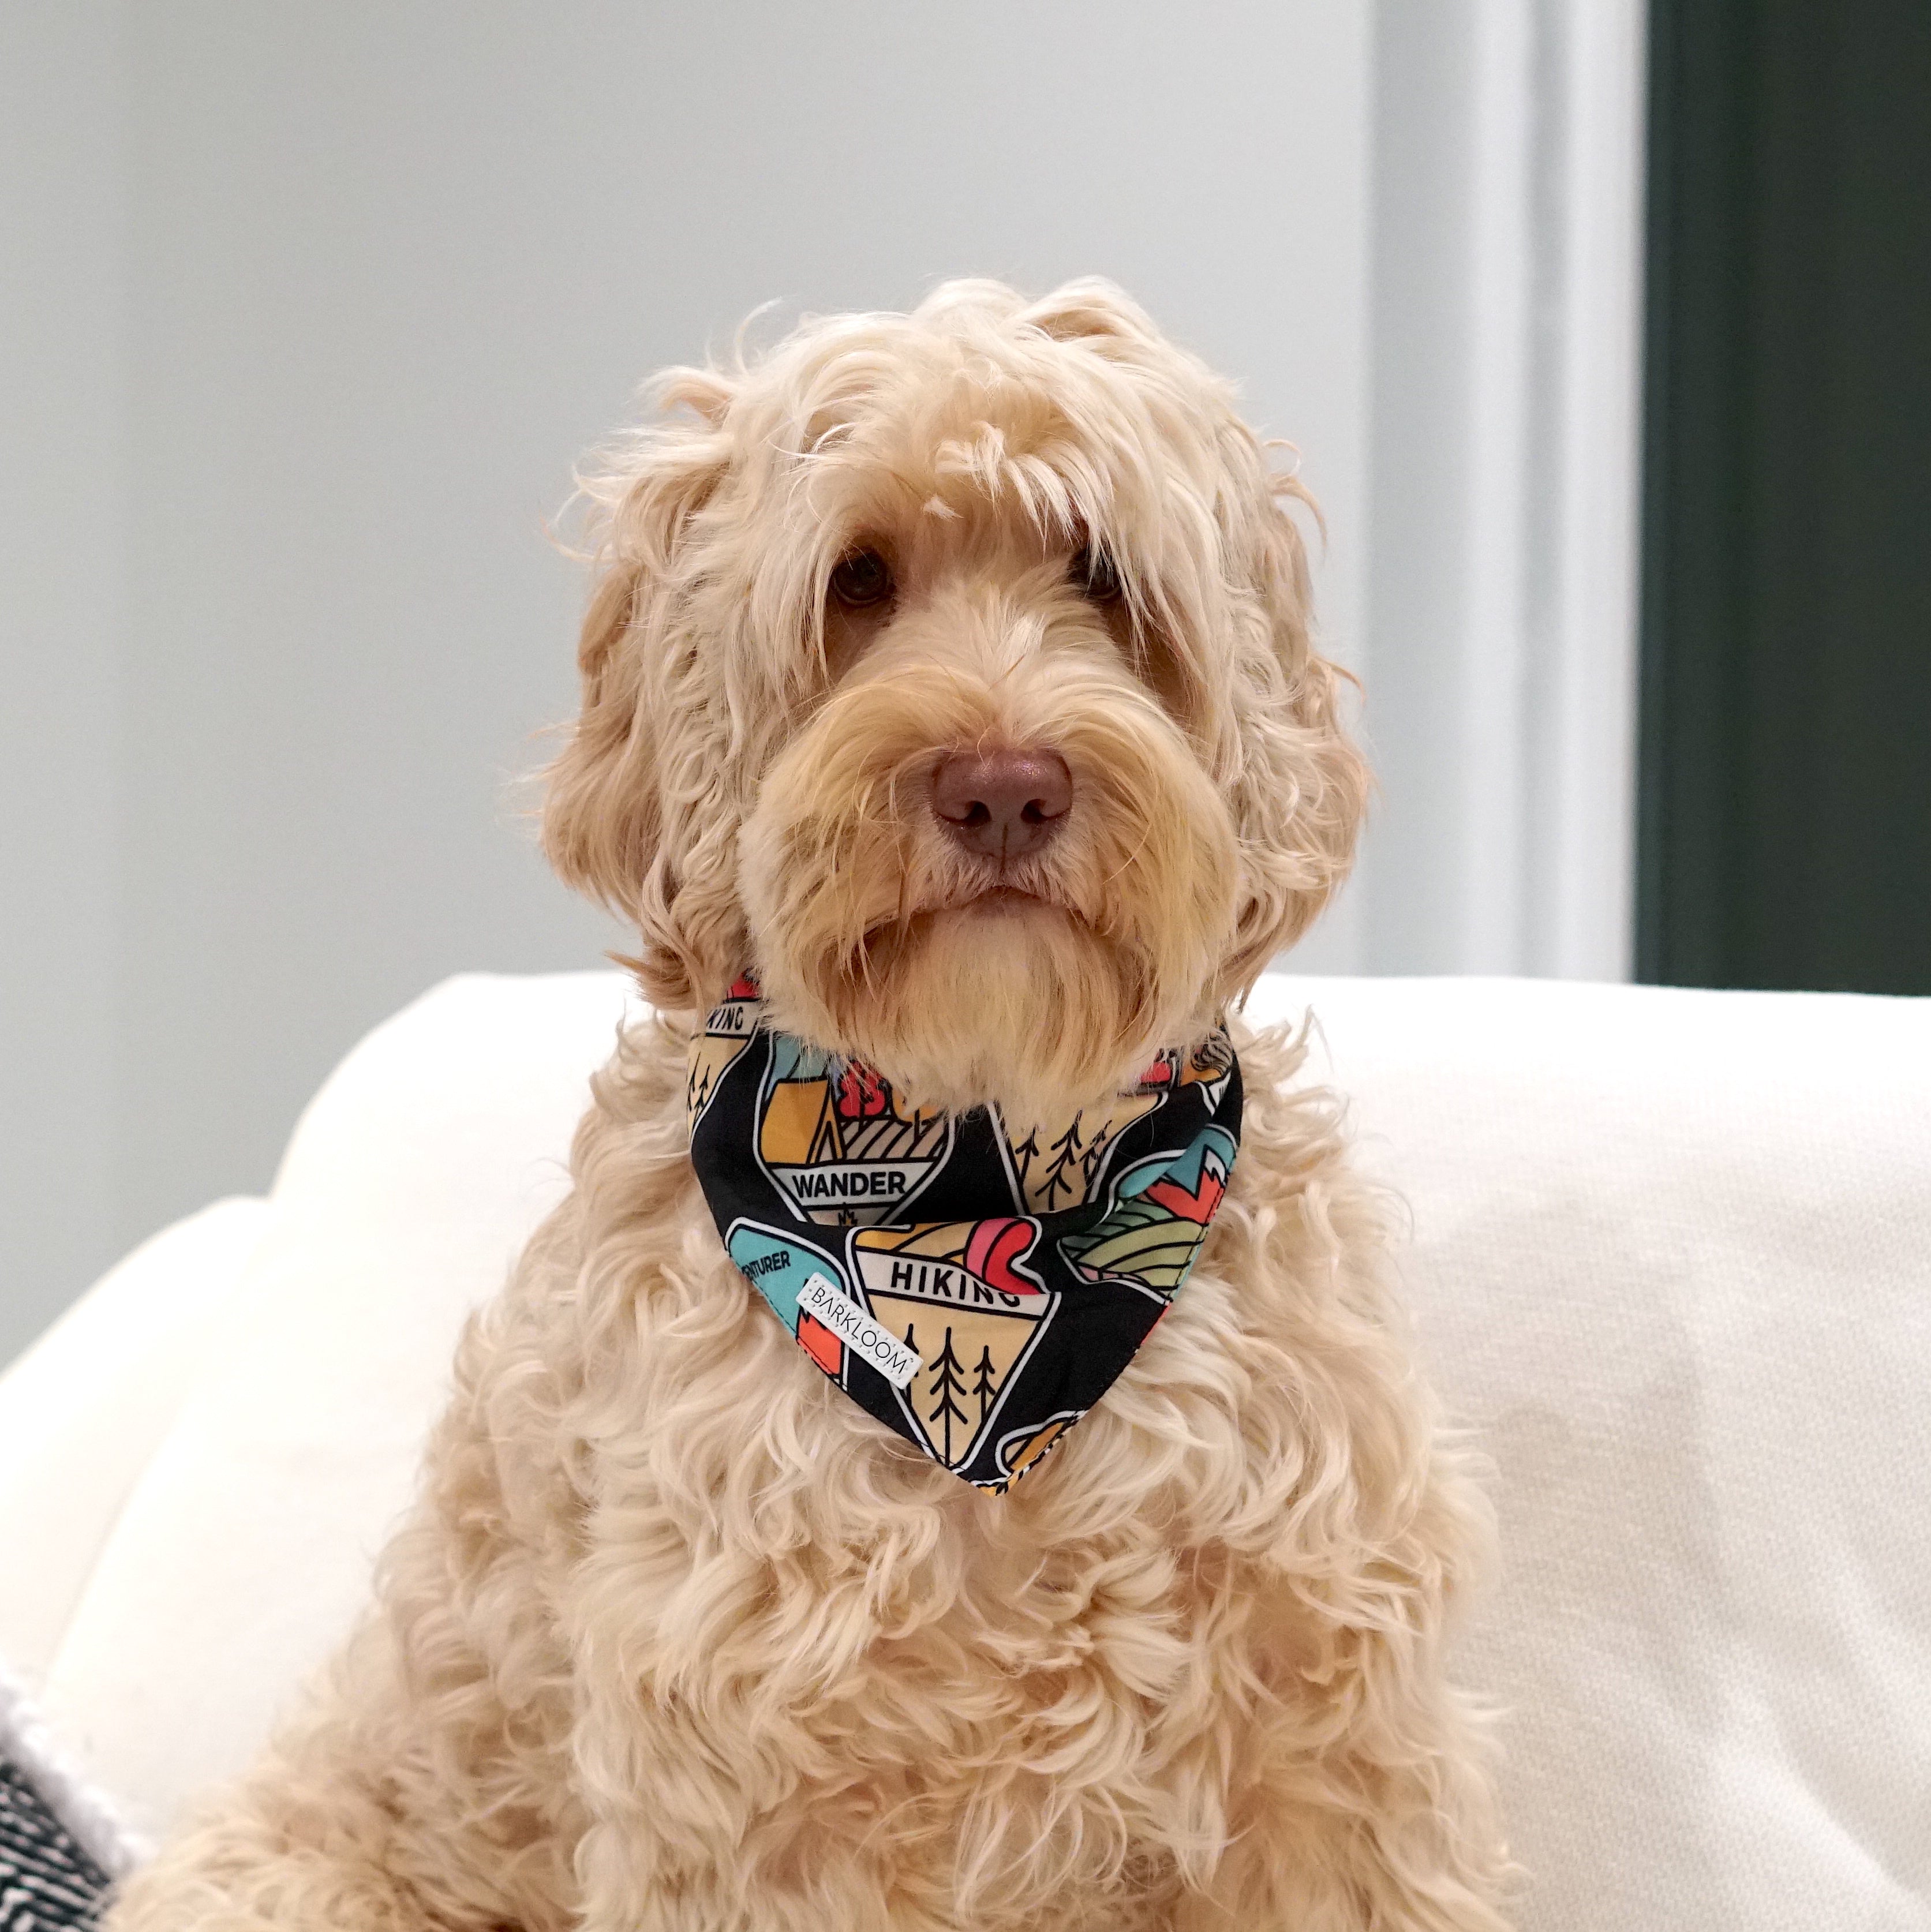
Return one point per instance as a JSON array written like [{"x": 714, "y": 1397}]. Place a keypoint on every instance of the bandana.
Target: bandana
[{"x": 975, "y": 1291}]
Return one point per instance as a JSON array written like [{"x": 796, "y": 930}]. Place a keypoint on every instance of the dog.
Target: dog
[{"x": 949, "y": 709}]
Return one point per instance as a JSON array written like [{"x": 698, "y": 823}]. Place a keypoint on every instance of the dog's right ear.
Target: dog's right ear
[{"x": 604, "y": 819}]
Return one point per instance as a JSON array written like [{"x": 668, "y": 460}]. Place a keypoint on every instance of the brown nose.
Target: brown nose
[{"x": 1002, "y": 804}]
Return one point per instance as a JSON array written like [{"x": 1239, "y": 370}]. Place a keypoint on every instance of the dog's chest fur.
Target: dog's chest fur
[{"x": 781, "y": 1640}]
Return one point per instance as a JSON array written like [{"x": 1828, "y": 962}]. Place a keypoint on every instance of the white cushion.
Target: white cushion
[
  {"x": 1671, "y": 1262},
  {"x": 411, "y": 1182},
  {"x": 84, "y": 1409}
]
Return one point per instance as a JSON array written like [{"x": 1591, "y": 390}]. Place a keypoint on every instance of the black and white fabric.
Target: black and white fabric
[
  {"x": 47, "y": 1880},
  {"x": 976, "y": 1287},
  {"x": 62, "y": 1842}
]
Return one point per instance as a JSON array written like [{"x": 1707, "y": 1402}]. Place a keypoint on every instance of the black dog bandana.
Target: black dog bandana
[{"x": 976, "y": 1293}]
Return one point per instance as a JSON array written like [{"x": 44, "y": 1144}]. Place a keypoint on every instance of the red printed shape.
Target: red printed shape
[
  {"x": 861, "y": 1094},
  {"x": 1185, "y": 1207},
  {"x": 994, "y": 1249},
  {"x": 820, "y": 1344}
]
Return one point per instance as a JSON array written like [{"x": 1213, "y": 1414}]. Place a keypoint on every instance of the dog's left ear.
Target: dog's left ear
[
  {"x": 1302, "y": 785},
  {"x": 613, "y": 815}
]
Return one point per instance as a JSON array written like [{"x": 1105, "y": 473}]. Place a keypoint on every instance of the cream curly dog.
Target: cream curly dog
[{"x": 951, "y": 672}]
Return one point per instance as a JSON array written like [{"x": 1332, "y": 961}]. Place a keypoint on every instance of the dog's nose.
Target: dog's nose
[{"x": 1002, "y": 805}]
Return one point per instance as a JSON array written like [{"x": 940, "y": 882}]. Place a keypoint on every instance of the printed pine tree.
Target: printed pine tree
[
  {"x": 985, "y": 1382},
  {"x": 1094, "y": 1153},
  {"x": 949, "y": 1382},
  {"x": 1067, "y": 1154},
  {"x": 1025, "y": 1154}
]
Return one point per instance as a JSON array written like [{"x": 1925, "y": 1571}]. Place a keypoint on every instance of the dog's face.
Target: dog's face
[{"x": 951, "y": 672}]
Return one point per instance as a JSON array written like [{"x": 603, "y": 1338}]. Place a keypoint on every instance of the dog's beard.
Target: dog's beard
[
  {"x": 1039, "y": 984},
  {"x": 1026, "y": 1006}
]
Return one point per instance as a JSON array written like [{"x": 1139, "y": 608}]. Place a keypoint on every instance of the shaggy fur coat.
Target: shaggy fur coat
[{"x": 677, "y": 1638}]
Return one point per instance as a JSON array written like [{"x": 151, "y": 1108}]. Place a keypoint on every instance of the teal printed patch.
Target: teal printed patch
[{"x": 778, "y": 1267}]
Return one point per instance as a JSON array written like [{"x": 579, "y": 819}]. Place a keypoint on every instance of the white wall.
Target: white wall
[
  {"x": 310, "y": 308},
  {"x": 305, "y": 311},
  {"x": 63, "y": 280}
]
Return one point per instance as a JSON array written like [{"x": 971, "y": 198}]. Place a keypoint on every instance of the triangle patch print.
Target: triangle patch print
[{"x": 949, "y": 1290}]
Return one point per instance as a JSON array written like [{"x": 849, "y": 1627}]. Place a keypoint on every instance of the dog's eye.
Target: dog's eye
[
  {"x": 1092, "y": 572},
  {"x": 862, "y": 578}
]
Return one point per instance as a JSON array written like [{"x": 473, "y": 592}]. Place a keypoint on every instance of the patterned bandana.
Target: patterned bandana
[{"x": 975, "y": 1293}]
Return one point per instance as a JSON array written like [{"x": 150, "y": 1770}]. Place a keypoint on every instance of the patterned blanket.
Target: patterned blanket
[{"x": 47, "y": 1881}]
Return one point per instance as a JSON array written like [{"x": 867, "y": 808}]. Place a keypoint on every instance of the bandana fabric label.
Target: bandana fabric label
[
  {"x": 976, "y": 1290},
  {"x": 834, "y": 1309}
]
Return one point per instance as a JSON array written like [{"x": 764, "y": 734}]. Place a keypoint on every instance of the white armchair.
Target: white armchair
[{"x": 1671, "y": 1261}]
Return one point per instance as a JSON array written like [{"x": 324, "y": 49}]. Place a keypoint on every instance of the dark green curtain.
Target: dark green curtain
[{"x": 1785, "y": 832}]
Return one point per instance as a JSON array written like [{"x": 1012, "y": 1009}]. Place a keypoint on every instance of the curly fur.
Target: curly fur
[{"x": 678, "y": 1639}]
